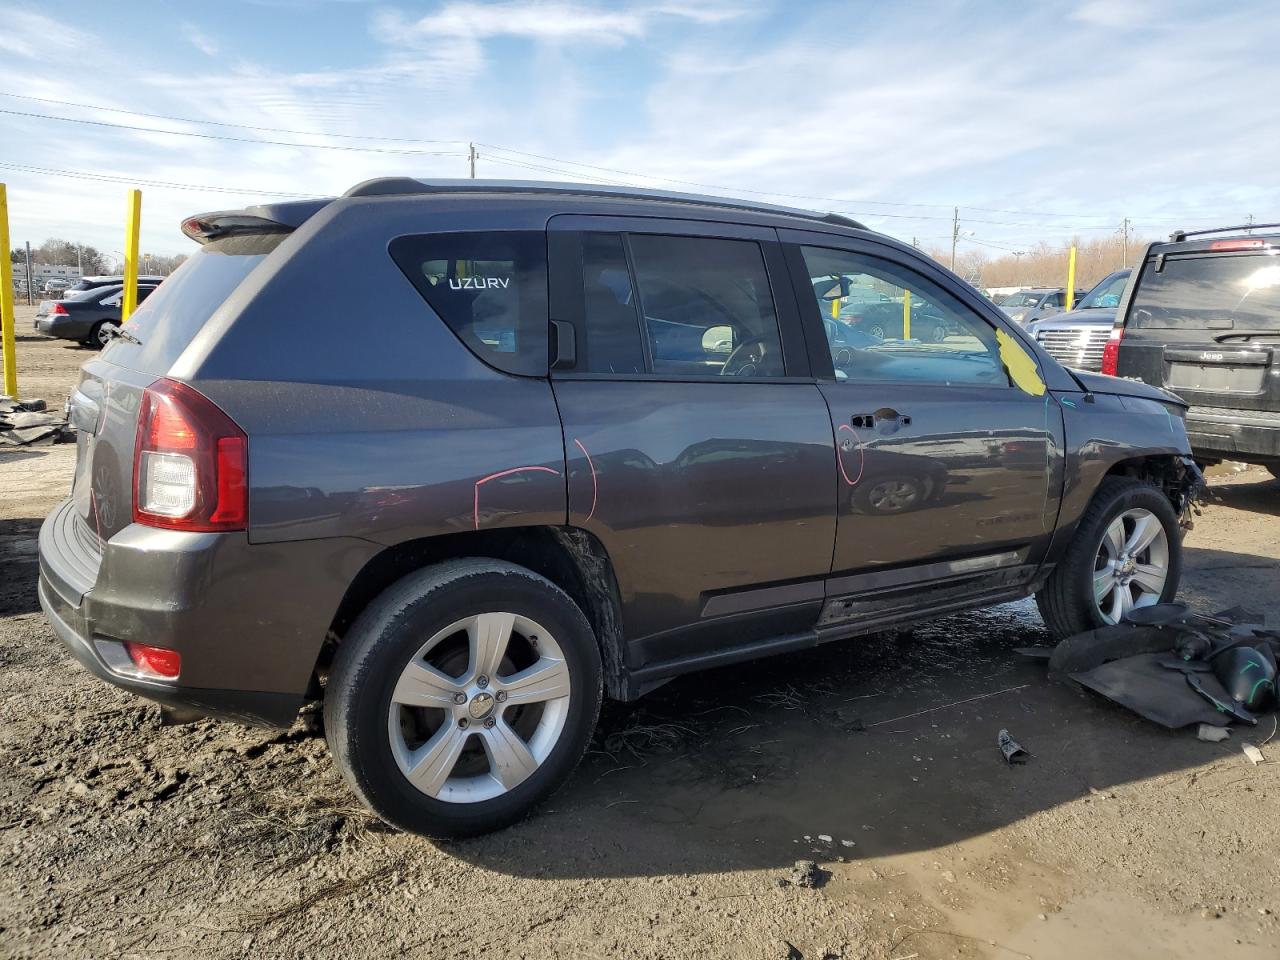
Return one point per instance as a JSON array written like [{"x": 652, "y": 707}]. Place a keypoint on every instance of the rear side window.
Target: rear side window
[
  {"x": 490, "y": 288},
  {"x": 1224, "y": 292},
  {"x": 179, "y": 307}
]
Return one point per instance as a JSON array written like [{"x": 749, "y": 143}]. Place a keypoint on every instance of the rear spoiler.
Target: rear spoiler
[{"x": 265, "y": 218}]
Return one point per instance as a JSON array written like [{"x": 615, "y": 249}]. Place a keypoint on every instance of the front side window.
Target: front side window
[
  {"x": 886, "y": 323},
  {"x": 707, "y": 306},
  {"x": 489, "y": 288}
]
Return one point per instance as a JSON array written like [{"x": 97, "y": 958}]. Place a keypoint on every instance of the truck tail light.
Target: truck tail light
[
  {"x": 155, "y": 661},
  {"x": 1111, "y": 352},
  {"x": 189, "y": 462}
]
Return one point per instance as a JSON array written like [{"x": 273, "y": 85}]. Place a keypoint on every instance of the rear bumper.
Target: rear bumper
[
  {"x": 1219, "y": 433},
  {"x": 248, "y": 621},
  {"x": 62, "y": 328},
  {"x": 257, "y": 709}
]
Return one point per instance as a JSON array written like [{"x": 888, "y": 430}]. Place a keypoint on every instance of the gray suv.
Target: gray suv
[{"x": 461, "y": 458}]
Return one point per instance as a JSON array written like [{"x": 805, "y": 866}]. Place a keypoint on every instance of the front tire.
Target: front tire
[
  {"x": 1126, "y": 553},
  {"x": 462, "y": 697}
]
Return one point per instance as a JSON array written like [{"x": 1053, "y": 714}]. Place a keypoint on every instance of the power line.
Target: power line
[
  {"x": 220, "y": 123},
  {"x": 521, "y": 153},
  {"x": 163, "y": 184},
  {"x": 214, "y": 136}
]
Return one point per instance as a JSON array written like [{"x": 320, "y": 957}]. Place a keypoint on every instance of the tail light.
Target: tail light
[
  {"x": 58, "y": 310},
  {"x": 189, "y": 462},
  {"x": 1111, "y": 352}
]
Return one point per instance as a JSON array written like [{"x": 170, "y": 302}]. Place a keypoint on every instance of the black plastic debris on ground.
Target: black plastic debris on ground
[
  {"x": 25, "y": 423},
  {"x": 1175, "y": 667}
]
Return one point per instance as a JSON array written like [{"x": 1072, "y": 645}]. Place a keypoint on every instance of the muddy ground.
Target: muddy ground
[{"x": 122, "y": 835}]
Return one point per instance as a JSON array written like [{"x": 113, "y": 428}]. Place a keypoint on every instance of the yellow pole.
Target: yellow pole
[
  {"x": 129, "y": 297},
  {"x": 1071, "y": 279},
  {"x": 6, "y": 301},
  {"x": 906, "y": 315}
]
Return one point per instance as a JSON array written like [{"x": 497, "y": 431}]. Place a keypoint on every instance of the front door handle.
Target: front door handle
[{"x": 868, "y": 420}]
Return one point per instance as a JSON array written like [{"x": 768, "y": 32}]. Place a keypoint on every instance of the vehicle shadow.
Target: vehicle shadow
[
  {"x": 1261, "y": 497},
  {"x": 885, "y": 744},
  {"x": 18, "y": 565}
]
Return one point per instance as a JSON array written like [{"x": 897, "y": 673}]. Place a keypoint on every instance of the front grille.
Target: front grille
[{"x": 1077, "y": 347}]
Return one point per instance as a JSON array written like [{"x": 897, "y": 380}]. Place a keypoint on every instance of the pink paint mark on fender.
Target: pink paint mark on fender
[
  {"x": 595, "y": 481},
  {"x": 862, "y": 456},
  {"x": 499, "y": 475}
]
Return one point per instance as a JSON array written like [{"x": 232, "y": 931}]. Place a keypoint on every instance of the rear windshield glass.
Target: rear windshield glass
[
  {"x": 1225, "y": 292},
  {"x": 171, "y": 316},
  {"x": 490, "y": 288},
  {"x": 1021, "y": 299}
]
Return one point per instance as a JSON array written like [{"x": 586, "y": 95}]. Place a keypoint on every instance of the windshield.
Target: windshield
[
  {"x": 1225, "y": 292},
  {"x": 1106, "y": 294},
  {"x": 1026, "y": 298}
]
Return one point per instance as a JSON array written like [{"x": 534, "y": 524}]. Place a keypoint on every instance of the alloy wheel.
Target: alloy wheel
[
  {"x": 479, "y": 707},
  {"x": 1132, "y": 564}
]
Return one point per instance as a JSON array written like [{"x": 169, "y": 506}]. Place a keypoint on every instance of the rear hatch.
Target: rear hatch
[
  {"x": 104, "y": 406},
  {"x": 1204, "y": 322}
]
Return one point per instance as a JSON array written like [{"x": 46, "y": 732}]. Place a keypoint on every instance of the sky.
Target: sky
[{"x": 1040, "y": 121}]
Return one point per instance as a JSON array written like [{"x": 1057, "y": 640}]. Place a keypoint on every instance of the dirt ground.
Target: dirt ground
[{"x": 124, "y": 835}]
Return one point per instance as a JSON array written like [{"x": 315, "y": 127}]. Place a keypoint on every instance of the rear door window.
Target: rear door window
[
  {"x": 707, "y": 306},
  {"x": 1223, "y": 292},
  {"x": 489, "y": 288}
]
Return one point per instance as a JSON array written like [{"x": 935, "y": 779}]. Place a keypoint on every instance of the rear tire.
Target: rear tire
[
  {"x": 94, "y": 340},
  {"x": 1067, "y": 600},
  {"x": 463, "y": 696}
]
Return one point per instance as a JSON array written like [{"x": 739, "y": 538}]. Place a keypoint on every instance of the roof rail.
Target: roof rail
[
  {"x": 1179, "y": 235},
  {"x": 389, "y": 186}
]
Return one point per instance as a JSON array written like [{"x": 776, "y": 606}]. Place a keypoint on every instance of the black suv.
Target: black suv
[
  {"x": 459, "y": 458},
  {"x": 1202, "y": 318}
]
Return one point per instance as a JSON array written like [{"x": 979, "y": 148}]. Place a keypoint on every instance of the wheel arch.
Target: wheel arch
[{"x": 571, "y": 558}]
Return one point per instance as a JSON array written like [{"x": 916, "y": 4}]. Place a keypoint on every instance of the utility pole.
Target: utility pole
[
  {"x": 80, "y": 259},
  {"x": 471, "y": 158},
  {"x": 1017, "y": 258},
  {"x": 955, "y": 235},
  {"x": 1124, "y": 257},
  {"x": 915, "y": 243},
  {"x": 1249, "y": 220},
  {"x": 28, "y": 273}
]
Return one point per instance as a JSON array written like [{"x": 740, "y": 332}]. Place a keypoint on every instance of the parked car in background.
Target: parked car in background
[
  {"x": 90, "y": 283},
  {"x": 1027, "y": 305},
  {"x": 1076, "y": 338},
  {"x": 55, "y": 286},
  {"x": 1202, "y": 318},
  {"x": 598, "y": 438},
  {"x": 83, "y": 315}
]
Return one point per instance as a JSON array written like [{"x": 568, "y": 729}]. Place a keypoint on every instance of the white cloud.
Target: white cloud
[
  {"x": 1118, "y": 14},
  {"x": 200, "y": 40},
  {"x": 29, "y": 34},
  {"x": 544, "y": 20}
]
